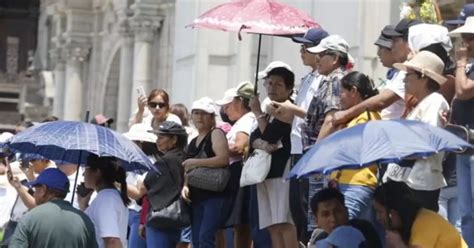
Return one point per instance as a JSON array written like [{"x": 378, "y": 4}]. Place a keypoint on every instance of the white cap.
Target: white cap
[
  {"x": 423, "y": 35},
  {"x": 271, "y": 66},
  {"x": 332, "y": 42},
  {"x": 139, "y": 132},
  {"x": 206, "y": 104},
  {"x": 228, "y": 97}
]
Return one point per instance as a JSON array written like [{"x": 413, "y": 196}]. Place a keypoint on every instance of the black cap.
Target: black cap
[
  {"x": 171, "y": 128},
  {"x": 312, "y": 36},
  {"x": 401, "y": 29},
  {"x": 385, "y": 41}
]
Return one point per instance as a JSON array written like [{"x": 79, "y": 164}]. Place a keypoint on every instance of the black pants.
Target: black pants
[
  {"x": 428, "y": 199},
  {"x": 299, "y": 203}
]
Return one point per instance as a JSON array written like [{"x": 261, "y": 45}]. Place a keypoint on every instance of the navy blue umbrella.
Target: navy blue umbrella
[
  {"x": 376, "y": 142},
  {"x": 71, "y": 142}
]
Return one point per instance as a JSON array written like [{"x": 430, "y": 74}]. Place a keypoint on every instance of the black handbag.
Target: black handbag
[
  {"x": 208, "y": 178},
  {"x": 464, "y": 133},
  {"x": 174, "y": 216}
]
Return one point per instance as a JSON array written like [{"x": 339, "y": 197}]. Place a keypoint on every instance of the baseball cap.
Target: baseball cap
[
  {"x": 466, "y": 11},
  {"x": 206, "y": 104},
  {"x": 385, "y": 41},
  {"x": 312, "y": 36},
  {"x": 271, "y": 66},
  {"x": 332, "y": 42},
  {"x": 401, "y": 29},
  {"x": 53, "y": 178},
  {"x": 100, "y": 119},
  {"x": 141, "y": 132},
  {"x": 170, "y": 127},
  {"x": 343, "y": 236},
  {"x": 244, "y": 90}
]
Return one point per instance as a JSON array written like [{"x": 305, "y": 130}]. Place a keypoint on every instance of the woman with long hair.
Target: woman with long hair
[
  {"x": 357, "y": 185},
  {"x": 408, "y": 224},
  {"x": 206, "y": 205},
  {"x": 154, "y": 109},
  {"x": 108, "y": 210}
]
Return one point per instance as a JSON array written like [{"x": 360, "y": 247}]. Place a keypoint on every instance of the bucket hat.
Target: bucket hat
[{"x": 428, "y": 63}]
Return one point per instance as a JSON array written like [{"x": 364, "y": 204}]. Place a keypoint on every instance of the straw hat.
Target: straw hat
[
  {"x": 467, "y": 28},
  {"x": 428, "y": 63}
]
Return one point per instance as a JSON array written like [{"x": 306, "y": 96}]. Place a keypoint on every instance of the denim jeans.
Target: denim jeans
[
  {"x": 206, "y": 220},
  {"x": 357, "y": 200},
  {"x": 134, "y": 240},
  {"x": 465, "y": 176},
  {"x": 160, "y": 238},
  {"x": 448, "y": 206}
]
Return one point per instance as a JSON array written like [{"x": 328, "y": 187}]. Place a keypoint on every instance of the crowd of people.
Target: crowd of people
[{"x": 196, "y": 199}]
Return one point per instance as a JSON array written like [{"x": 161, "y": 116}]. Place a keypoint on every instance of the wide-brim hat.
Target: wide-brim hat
[
  {"x": 141, "y": 132},
  {"x": 428, "y": 63},
  {"x": 467, "y": 28},
  {"x": 170, "y": 128}
]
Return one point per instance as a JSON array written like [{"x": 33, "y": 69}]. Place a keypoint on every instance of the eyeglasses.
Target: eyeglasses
[{"x": 154, "y": 104}]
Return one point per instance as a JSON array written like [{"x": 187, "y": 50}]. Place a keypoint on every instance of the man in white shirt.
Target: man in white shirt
[
  {"x": 390, "y": 100},
  {"x": 307, "y": 89}
]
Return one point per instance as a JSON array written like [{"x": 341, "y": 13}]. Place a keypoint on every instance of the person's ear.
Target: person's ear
[{"x": 353, "y": 91}]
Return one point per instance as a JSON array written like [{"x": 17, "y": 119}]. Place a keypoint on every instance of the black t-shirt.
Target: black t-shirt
[
  {"x": 463, "y": 110},
  {"x": 276, "y": 130}
]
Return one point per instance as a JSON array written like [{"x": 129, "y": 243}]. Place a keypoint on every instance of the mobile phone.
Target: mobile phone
[{"x": 141, "y": 91}]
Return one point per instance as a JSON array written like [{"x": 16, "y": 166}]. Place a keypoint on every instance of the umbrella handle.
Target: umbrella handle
[
  {"x": 258, "y": 63},
  {"x": 86, "y": 119}
]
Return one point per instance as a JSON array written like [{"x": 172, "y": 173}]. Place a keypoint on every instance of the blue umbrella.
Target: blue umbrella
[
  {"x": 72, "y": 142},
  {"x": 376, "y": 142}
]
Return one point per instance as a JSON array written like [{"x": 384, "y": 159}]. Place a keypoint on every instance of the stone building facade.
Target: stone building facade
[{"x": 99, "y": 51}]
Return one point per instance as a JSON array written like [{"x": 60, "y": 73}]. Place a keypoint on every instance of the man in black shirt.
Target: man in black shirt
[{"x": 463, "y": 114}]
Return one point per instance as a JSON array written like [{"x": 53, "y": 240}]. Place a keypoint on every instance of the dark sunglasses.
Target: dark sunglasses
[{"x": 154, "y": 104}]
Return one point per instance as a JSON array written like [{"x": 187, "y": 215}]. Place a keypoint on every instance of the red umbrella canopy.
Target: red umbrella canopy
[{"x": 256, "y": 16}]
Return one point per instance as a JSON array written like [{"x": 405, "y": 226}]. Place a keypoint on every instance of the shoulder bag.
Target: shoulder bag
[{"x": 208, "y": 178}]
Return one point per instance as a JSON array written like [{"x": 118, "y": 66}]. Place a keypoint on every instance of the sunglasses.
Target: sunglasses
[{"x": 154, "y": 104}]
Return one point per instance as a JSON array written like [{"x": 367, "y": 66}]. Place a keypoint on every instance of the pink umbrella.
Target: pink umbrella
[{"x": 256, "y": 16}]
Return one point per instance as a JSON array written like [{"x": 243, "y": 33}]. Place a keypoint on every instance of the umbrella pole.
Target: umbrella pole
[
  {"x": 78, "y": 165},
  {"x": 258, "y": 63}
]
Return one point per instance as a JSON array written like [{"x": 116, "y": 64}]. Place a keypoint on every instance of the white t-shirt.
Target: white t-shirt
[
  {"x": 244, "y": 125},
  {"x": 109, "y": 215},
  {"x": 148, "y": 117},
  {"x": 72, "y": 178},
  {"x": 426, "y": 173},
  {"x": 306, "y": 93},
  {"x": 396, "y": 85}
]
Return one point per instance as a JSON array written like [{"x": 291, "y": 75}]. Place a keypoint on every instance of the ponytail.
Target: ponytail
[
  {"x": 365, "y": 85},
  {"x": 111, "y": 173},
  {"x": 121, "y": 177}
]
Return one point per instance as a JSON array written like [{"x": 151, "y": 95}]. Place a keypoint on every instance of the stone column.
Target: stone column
[
  {"x": 144, "y": 31},
  {"x": 57, "y": 56},
  {"x": 74, "y": 83},
  {"x": 125, "y": 103}
]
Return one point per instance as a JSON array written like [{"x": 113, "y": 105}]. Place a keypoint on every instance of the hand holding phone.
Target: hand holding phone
[{"x": 141, "y": 91}]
